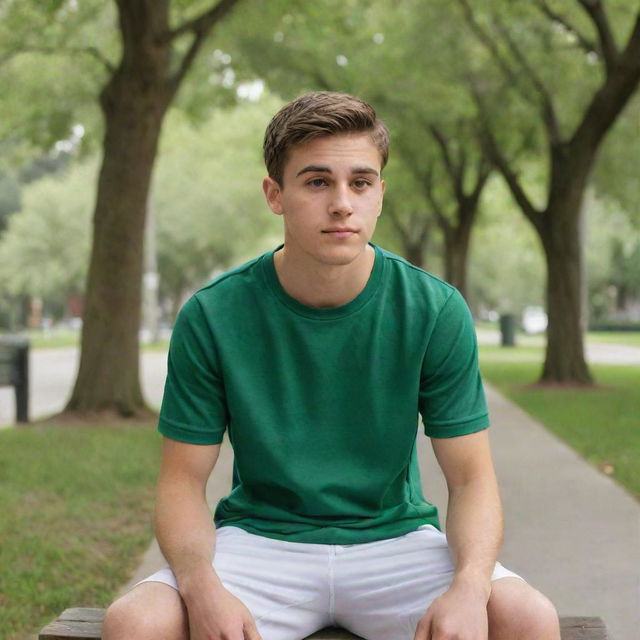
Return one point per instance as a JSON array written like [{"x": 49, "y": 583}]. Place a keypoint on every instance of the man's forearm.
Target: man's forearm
[
  {"x": 474, "y": 530},
  {"x": 186, "y": 535}
]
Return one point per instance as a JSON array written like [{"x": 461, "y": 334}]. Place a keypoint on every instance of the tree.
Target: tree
[
  {"x": 134, "y": 102},
  {"x": 158, "y": 43},
  {"x": 571, "y": 155},
  {"x": 451, "y": 177}
]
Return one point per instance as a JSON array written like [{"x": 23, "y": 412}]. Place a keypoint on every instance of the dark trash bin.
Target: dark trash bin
[
  {"x": 14, "y": 371},
  {"x": 508, "y": 330}
]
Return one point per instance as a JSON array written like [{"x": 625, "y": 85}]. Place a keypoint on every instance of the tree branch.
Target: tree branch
[
  {"x": 496, "y": 156},
  {"x": 547, "y": 109},
  {"x": 200, "y": 27},
  {"x": 203, "y": 23},
  {"x": 490, "y": 45},
  {"x": 445, "y": 152},
  {"x": 483, "y": 171},
  {"x": 595, "y": 10},
  {"x": 426, "y": 180},
  {"x": 587, "y": 45},
  {"x": 611, "y": 98}
]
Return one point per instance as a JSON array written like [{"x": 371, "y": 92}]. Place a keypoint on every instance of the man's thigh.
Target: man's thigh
[{"x": 382, "y": 589}]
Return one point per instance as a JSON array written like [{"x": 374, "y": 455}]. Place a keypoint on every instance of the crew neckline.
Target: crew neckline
[{"x": 323, "y": 313}]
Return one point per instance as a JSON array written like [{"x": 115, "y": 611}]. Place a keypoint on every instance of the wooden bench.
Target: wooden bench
[
  {"x": 14, "y": 372},
  {"x": 87, "y": 624}
]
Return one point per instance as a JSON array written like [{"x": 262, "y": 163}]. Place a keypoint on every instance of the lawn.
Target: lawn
[
  {"x": 602, "y": 424},
  {"x": 76, "y": 506},
  {"x": 629, "y": 338}
]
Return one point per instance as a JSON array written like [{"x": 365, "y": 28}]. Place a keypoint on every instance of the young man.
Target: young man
[{"x": 317, "y": 358}]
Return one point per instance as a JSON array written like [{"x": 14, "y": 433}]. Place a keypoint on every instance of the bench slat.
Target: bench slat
[
  {"x": 79, "y": 622},
  {"x": 86, "y": 624}
]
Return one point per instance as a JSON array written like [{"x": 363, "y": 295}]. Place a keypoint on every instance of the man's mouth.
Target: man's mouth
[{"x": 341, "y": 232}]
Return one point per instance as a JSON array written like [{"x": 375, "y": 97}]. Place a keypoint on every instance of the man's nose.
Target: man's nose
[{"x": 341, "y": 201}]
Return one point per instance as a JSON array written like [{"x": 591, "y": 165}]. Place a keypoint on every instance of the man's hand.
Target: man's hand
[
  {"x": 458, "y": 614},
  {"x": 220, "y": 616}
]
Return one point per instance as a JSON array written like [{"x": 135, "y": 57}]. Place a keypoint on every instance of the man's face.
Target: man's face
[{"x": 330, "y": 199}]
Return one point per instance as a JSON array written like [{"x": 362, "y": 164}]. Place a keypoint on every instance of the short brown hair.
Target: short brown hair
[{"x": 316, "y": 114}]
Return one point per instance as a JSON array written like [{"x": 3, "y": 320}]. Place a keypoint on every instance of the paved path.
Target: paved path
[{"x": 570, "y": 530}]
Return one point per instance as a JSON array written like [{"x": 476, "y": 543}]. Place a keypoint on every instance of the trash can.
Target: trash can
[
  {"x": 508, "y": 330},
  {"x": 14, "y": 371}
]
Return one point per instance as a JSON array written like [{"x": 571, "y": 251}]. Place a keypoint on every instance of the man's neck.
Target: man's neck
[{"x": 322, "y": 285}]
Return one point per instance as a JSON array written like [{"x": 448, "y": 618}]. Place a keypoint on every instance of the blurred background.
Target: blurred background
[{"x": 130, "y": 175}]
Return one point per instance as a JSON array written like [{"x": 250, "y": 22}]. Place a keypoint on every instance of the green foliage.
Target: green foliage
[
  {"x": 52, "y": 69},
  {"x": 9, "y": 198},
  {"x": 601, "y": 423},
  {"x": 616, "y": 175},
  {"x": 613, "y": 258},
  {"x": 44, "y": 250},
  {"x": 413, "y": 60},
  {"x": 207, "y": 196},
  {"x": 508, "y": 271},
  {"x": 77, "y": 507}
]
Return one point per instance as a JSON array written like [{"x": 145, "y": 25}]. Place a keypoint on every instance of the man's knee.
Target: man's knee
[
  {"x": 146, "y": 614},
  {"x": 517, "y": 610}
]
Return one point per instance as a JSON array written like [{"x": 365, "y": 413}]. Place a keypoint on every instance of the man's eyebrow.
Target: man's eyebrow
[
  {"x": 369, "y": 170},
  {"x": 315, "y": 168}
]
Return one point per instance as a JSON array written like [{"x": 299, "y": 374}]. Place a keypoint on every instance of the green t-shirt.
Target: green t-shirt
[{"x": 321, "y": 404}]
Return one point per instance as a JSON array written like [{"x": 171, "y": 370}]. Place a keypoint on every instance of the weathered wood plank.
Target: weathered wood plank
[
  {"x": 86, "y": 624},
  {"x": 79, "y": 622}
]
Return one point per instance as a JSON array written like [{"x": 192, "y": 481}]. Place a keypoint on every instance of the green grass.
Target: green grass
[
  {"x": 59, "y": 338},
  {"x": 628, "y": 338},
  {"x": 50, "y": 340},
  {"x": 76, "y": 505},
  {"x": 602, "y": 424}
]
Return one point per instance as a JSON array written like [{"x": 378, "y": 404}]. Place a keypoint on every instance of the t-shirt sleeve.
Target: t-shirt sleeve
[
  {"x": 451, "y": 397},
  {"x": 194, "y": 408}
]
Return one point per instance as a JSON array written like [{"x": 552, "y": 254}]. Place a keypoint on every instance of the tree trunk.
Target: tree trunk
[
  {"x": 564, "y": 361},
  {"x": 134, "y": 102},
  {"x": 108, "y": 375},
  {"x": 561, "y": 233},
  {"x": 457, "y": 243}
]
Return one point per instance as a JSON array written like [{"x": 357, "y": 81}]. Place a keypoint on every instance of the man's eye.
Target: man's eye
[
  {"x": 317, "y": 182},
  {"x": 361, "y": 183}
]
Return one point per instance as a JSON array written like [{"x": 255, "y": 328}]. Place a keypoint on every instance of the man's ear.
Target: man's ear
[{"x": 272, "y": 192}]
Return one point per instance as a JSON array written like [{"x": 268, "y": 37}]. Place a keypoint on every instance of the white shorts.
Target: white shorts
[{"x": 377, "y": 590}]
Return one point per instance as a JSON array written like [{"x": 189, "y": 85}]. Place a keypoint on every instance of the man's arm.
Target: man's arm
[
  {"x": 474, "y": 534},
  {"x": 186, "y": 535}
]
